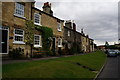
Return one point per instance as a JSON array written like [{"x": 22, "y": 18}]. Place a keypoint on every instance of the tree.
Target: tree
[
  {"x": 29, "y": 33},
  {"x": 106, "y": 45}
]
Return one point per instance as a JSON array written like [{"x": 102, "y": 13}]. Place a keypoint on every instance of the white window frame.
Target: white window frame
[
  {"x": 59, "y": 26},
  {"x": 64, "y": 23},
  {"x": 69, "y": 45},
  {"x": 39, "y": 19},
  {"x": 19, "y": 42},
  {"x": 60, "y": 39},
  {"x": 40, "y": 41},
  {"x": 68, "y": 33},
  {"x": 71, "y": 24},
  {"x": 23, "y": 10}
]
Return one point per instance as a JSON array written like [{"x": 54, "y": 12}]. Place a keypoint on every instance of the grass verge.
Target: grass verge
[{"x": 65, "y": 67}]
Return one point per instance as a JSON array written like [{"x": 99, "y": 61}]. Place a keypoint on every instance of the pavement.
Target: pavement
[
  {"x": 34, "y": 59},
  {"x": 111, "y": 69}
]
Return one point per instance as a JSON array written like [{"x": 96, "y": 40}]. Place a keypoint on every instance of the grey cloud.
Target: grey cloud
[{"x": 78, "y": 0}]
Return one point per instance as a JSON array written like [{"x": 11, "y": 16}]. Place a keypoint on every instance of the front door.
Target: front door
[
  {"x": 4, "y": 41},
  {"x": 54, "y": 43}
]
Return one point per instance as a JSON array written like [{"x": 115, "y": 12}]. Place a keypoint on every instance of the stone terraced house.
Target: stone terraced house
[
  {"x": 47, "y": 19},
  {"x": 84, "y": 43},
  {"x": 14, "y": 16}
]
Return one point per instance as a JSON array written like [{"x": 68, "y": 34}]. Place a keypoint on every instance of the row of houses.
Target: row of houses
[
  {"x": 71, "y": 35},
  {"x": 14, "y": 16}
]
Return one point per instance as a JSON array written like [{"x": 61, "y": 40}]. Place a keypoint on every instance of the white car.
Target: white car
[
  {"x": 112, "y": 53},
  {"x": 117, "y": 51}
]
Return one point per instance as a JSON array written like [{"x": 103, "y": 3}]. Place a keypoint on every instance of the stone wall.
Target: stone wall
[{"x": 10, "y": 20}]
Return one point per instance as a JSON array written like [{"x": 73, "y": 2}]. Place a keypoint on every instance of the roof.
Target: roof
[{"x": 47, "y": 14}]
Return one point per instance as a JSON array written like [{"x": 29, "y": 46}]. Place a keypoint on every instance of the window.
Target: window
[
  {"x": 19, "y": 36},
  {"x": 37, "y": 18},
  {"x": 19, "y": 9},
  {"x": 59, "y": 26},
  {"x": 72, "y": 25},
  {"x": 68, "y": 33},
  {"x": 64, "y": 23},
  {"x": 69, "y": 45},
  {"x": 59, "y": 42},
  {"x": 37, "y": 41}
]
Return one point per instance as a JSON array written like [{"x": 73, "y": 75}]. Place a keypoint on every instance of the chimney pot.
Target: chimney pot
[{"x": 47, "y": 3}]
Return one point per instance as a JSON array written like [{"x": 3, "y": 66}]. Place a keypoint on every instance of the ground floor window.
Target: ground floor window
[
  {"x": 37, "y": 41},
  {"x": 68, "y": 33},
  {"x": 18, "y": 36},
  {"x": 69, "y": 45},
  {"x": 60, "y": 42}
]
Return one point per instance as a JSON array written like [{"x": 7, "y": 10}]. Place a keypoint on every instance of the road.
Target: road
[{"x": 111, "y": 69}]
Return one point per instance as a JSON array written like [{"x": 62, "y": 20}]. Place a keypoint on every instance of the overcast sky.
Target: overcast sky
[{"x": 98, "y": 18}]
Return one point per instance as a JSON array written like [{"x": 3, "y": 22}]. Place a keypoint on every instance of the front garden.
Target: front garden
[{"x": 80, "y": 66}]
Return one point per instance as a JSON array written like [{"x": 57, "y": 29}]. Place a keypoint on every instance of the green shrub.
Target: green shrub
[
  {"x": 73, "y": 48},
  {"x": 47, "y": 34},
  {"x": 37, "y": 55},
  {"x": 65, "y": 51},
  {"x": 16, "y": 53},
  {"x": 50, "y": 53},
  {"x": 54, "y": 51},
  {"x": 59, "y": 51}
]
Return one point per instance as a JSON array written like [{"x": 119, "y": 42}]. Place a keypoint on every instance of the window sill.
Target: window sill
[
  {"x": 19, "y": 42},
  {"x": 37, "y": 24},
  {"x": 37, "y": 46},
  {"x": 3, "y": 53},
  {"x": 59, "y": 45},
  {"x": 16, "y": 15},
  {"x": 59, "y": 30}
]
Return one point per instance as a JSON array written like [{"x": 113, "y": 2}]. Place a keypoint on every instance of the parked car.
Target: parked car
[
  {"x": 111, "y": 53},
  {"x": 118, "y": 52}
]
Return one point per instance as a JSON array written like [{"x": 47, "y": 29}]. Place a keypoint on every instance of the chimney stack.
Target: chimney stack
[
  {"x": 47, "y": 8},
  {"x": 87, "y": 36},
  {"x": 70, "y": 24},
  {"x": 74, "y": 26},
  {"x": 82, "y": 32}
]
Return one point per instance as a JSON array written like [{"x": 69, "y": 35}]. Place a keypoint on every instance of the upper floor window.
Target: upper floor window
[
  {"x": 59, "y": 27},
  {"x": 64, "y": 23},
  {"x": 72, "y": 25},
  {"x": 37, "y": 41},
  {"x": 37, "y": 18},
  {"x": 19, "y": 9},
  {"x": 18, "y": 36},
  {"x": 68, "y": 33},
  {"x": 60, "y": 42}
]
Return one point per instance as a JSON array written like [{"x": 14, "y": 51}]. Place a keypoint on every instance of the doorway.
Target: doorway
[{"x": 4, "y": 41}]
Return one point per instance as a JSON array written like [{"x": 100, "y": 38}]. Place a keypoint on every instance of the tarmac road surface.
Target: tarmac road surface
[{"x": 111, "y": 71}]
